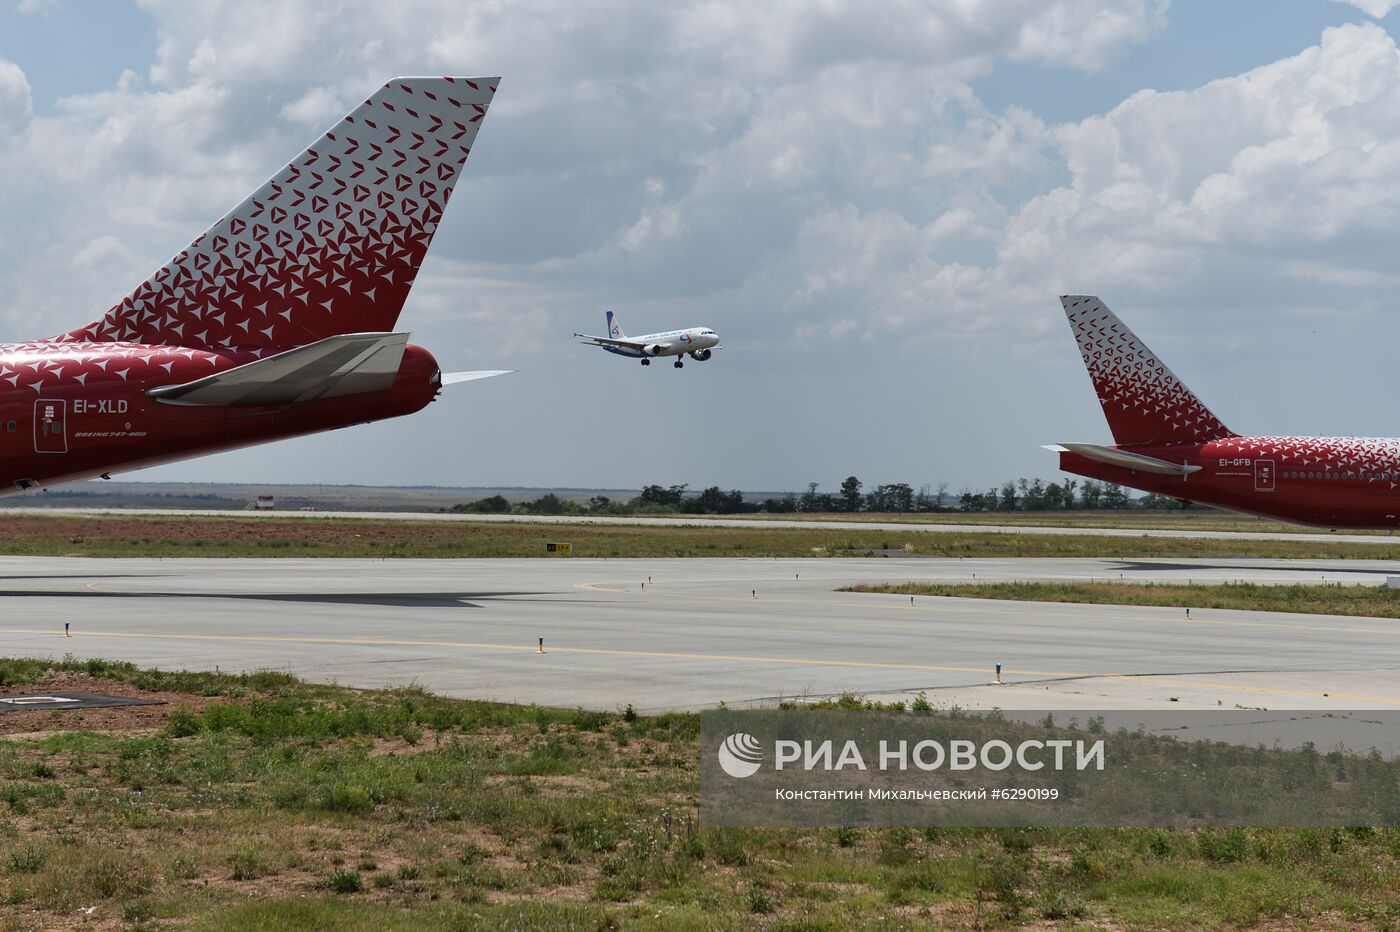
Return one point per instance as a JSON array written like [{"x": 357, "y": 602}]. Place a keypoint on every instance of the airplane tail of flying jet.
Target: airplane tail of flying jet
[
  {"x": 614, "y": 326},
  {"x": 330, "y": 245},
  {"x": 1142, "y": 400}
]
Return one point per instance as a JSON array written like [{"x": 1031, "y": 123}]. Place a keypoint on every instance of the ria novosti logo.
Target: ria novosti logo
[{"x": 740, "y": 755}]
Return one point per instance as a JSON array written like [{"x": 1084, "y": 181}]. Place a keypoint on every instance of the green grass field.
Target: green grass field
[
  {"x": 1368, "y": 601},
  {"x": 181, "y": 536},
  {"x": 1375, "y": 602},
  {"x": 1184, "y": 520},
  {"x": 260, "y": 802}
]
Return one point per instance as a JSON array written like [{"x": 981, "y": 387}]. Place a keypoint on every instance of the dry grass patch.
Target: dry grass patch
[
  {"x": 195, "y": 536},
  {"x": 1330, "y": 599}
]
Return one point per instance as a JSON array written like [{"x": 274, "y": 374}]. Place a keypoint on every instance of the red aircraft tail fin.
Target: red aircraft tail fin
[
  {"x": 1142, "y": 400},
  {"x": 330, "y": 244}
]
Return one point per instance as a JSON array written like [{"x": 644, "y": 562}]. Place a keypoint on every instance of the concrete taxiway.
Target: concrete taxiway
[{"x": 674, "y": 634}]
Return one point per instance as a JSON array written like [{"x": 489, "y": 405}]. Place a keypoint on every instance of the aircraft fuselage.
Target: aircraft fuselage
[
  {"x": 72, "y": 411},
  {"x": 671, "y": 343},
  {"x": 1334, "y": 482}
]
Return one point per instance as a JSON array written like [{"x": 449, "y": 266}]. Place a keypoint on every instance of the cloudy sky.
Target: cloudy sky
[{"x": 875, "y": 205}]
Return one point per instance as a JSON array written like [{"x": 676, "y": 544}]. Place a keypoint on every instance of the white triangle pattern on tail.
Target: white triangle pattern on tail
[
  {"x": 1142, "y": 400},
  {"x": 331, "y": 244}
]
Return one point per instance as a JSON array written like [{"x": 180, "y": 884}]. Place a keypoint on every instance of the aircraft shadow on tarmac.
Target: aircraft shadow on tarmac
[
  {"x": 78, "y": 577},
  {"x": 378, "y": 599}
]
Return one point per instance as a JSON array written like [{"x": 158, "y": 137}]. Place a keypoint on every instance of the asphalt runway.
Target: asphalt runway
[
  {"x": 702, "y": 632},
  {"x": 702, "y": 521}
]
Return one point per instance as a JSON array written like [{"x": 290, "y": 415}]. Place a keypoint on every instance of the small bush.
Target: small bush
[
  {"x": 895, "y": 850},
  {"x": 1159, "y": 844},
  {"x": 999, "y": 879},
  {"x": 727, "y": 847},
  {"x": 28, "y": 860},
  {"x": 346, "y": 797},
  {"x": 585, "y": 720},
  {"x": 248, "y": 865},
  {"x": 1016, "y": 841},
  {"x": 182, "y": 723},
  {"x": 344, "y": 882},
  {"x": 1085, "y": 864},
  {"x": 112, "y": 875},
  {"x": 1059, "y": 905},
  {"x": 1228, "y": 847}
]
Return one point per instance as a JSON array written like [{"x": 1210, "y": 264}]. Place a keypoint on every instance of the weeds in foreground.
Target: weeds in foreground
[{"x": 399, "y": 809}]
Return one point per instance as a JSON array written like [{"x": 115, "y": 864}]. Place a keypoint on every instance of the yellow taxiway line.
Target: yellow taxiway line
[{"x": 532, "y": 648}]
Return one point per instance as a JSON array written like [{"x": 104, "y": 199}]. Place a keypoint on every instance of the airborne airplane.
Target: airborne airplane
[
  {"x": 278, "y": 321},
  {"x": 697, "y": 341},
  {"x": 1166, "y": 441}
]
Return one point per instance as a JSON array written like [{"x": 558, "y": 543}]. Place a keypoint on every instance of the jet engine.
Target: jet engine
[
  {"x": 655, "y": 349},
  {"x": 702, "y": 355}
]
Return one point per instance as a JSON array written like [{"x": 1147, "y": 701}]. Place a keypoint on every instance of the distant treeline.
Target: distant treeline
[{"x": 893, "y": 498}]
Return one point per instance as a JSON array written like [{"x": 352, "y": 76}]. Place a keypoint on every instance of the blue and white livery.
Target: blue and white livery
[{"x": 695, "y": 341}]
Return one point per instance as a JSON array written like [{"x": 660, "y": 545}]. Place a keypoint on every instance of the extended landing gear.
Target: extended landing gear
[
  {"x": 679, "y": 364},
  {"x": 646, "y": 362}
]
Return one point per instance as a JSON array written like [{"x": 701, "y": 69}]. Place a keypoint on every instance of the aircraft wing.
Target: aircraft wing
[
  {"x": 609, "y": 341},
  {"x": 348, "y": 364}
]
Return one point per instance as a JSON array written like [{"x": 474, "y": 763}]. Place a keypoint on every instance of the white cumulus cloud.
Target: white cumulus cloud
[
  {"x": 1375, "y": 8},
  {"x": 1299, "y": 158},
  {"x": 16, "y": 106},
  {"x": 627, "y": 138}
]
